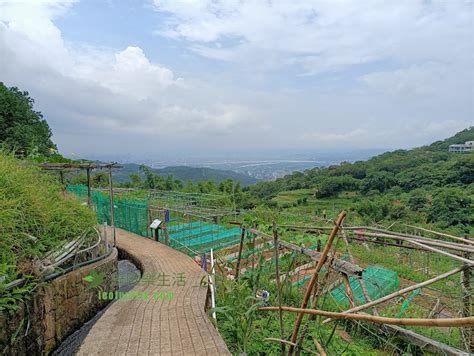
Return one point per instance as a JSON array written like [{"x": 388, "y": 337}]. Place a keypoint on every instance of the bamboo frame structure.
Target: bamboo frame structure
[
  {"x": 462, "y": 248},
  {"x": 442, "y": 323},
  {"x": 338, "y": 265},
  {"x": 315, "y": 277},
  {"x": 402, "y": 291}
]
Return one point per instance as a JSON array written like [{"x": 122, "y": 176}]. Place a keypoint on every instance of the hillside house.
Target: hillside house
[{"x": 468, "y": 146}]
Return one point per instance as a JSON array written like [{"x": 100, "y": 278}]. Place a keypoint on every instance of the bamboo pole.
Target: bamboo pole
[
  {"x": 448, "y": 245},
  {"x": 339, "y": 265},
  {"x": 239, "y": 258},
  {"x": 314, "y": 279},
  {"x": 451, "y": 322},
  {"x": 349, "y": 293},
  {"x": 425, "y": 343},
  {"x": 317, "y": 229},
  {"x": 290, "y": 343},
  {"x": 277, "y": 271},
  {"x": 317, "y": 292},
  {"x": 467, "y": 334},
  {"x": 319, "y": 347},
  {"x": 442, "y": 234},
  {"x": 462, "y": 259},
  {"x": 362, "y": 284},
  {"x": 385, "y": 243}
]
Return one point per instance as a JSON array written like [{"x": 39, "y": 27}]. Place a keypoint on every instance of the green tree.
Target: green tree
[
  {"x": 169, "y": 183},
  {"x": 21, "y": 128},
  {"x": 380, "y": 181},
  {"x": 150, "y": 182},
  {"x": 331, "y": 186},
  {"x": 451, "y": 207},
  {"x": 373, "y": 210},
  {"x": 100, "y": 179},
  {"x": 417, "y": 200},
  {"x": 136, "y": 180}
]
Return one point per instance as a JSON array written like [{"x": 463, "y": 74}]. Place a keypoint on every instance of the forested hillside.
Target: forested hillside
[
  {"x": 426, "y": 184},
  {"x": 185, "y": 173}
]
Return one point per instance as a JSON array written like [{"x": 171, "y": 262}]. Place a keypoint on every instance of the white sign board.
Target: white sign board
[{"x": 155, "y": 224}]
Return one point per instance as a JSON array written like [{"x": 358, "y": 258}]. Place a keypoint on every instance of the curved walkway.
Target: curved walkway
[{"x": 179, "y": 326}]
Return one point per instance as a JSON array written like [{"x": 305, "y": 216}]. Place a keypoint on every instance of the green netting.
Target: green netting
[
  {"x": 201, "y": 236},
  {"x": 132, "y": 215},
  {"x": 301, "y": 281},
  {"x": 379, "y": 282}
]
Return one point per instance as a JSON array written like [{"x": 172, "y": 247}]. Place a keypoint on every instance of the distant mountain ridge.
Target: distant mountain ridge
[{"x": 186, "y": 173}]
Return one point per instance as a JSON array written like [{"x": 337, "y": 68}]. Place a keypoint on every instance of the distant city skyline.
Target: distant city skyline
[{"x": 176, "y": 78}]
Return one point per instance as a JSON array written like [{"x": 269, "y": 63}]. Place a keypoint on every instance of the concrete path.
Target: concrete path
[{"x": 173, "y": 326}]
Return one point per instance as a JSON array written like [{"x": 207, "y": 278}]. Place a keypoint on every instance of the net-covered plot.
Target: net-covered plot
[{"x": 379, "y": 281}]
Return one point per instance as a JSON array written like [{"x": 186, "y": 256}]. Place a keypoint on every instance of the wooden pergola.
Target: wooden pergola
[{"x": 62, "y": 167}]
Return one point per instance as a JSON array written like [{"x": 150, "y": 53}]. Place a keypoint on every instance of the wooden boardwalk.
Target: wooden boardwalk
[{"x": 178, "y": 326}]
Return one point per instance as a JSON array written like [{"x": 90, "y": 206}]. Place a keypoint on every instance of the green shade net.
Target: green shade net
[
  {"x": 132, "y": 215},
  {"x": 201, "y": 236},
  {"x": 379, "y": 282}
]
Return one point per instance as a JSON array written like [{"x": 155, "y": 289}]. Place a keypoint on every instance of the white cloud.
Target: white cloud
[
  {"x": 402, "y": 74},
  {"x": 82, "y": 88},
  {"x": 323, "y": 35},
  {"x": 127, "y": 72}
]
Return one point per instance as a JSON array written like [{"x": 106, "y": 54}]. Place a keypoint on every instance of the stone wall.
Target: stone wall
[{"x": 56, "y": 310}]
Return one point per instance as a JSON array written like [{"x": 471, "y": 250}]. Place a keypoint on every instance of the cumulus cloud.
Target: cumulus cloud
[{"x": 83, "y": 88}]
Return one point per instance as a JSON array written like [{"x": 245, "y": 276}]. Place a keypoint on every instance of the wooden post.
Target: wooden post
[
  {"x": 61, "y": 177},
  {"x": 467, "y": 334},
  {"x": 112, "y": 208},
  {"x": 277, "y": 271},
  {"x": 167, "y": 237},
  {"x": 241, "y": 246},
  {"x": 89, "y": 199},
  {"x": 314, "y": 279}
]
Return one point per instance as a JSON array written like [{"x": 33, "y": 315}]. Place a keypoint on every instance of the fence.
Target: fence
[{"x": 189, "y": 233}]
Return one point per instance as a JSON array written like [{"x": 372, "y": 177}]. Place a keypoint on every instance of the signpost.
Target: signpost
[{"x": 155, "y": 226}]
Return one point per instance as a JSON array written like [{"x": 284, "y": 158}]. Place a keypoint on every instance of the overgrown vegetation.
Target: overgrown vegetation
[{"x": 35, "y": 217}]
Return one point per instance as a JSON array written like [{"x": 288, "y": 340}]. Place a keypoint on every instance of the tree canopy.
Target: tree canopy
[{"x": 22, "y": 129}]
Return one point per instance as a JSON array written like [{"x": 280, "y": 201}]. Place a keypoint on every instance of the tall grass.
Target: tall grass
[{"x": 35, "y": 217}]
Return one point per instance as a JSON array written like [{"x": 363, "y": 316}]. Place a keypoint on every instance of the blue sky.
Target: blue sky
[{"x": 177, "y": 77}]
